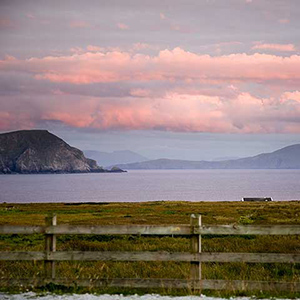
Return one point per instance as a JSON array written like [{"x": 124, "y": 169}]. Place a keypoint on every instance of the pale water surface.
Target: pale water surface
[{"x": 152, "y": 185}]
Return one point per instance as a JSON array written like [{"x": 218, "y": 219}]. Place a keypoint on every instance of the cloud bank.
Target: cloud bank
[
  {"x": 168, "y": 65},
  {"x": 175, "y": 90}
]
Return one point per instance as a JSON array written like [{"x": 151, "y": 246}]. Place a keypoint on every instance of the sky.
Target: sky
[{"x": 183, "y": 79}]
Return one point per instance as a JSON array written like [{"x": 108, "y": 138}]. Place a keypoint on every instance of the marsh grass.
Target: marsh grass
[{"x": 154, "y": 213}]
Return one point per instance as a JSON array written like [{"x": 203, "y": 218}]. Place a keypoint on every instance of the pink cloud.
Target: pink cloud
[
  {"x": 183, "y": 112},
  {"x": 122, "y": 26},
  {"x": 94, "y": 48},
  {"x": 77, "y": 50},
  {"x": 5, "y": 120},
  {"x": 287, "y": 96},
  {"x": 185, "y": 107},
  {"x": 141, "y": 46},
  {"x": 30, "y": 16},
  {"x": 238, "y": 112},
  {"x": 162, "y": 16},
  {"x": 275, "y": 47},
  {"x": 168, "y": 65},
  {"x": 6, "y": 23},
  {"x": 140, "y": 92},
  {"x": 17, "y": 120},
  {"x": 175, "y": 27},
  {"x": 79, "y": 24},
  {"x": 173, "y": 112},
  {"x": 284, "y": 21}
]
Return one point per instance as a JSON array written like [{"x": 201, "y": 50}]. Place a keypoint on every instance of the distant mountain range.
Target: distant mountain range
[
  {"x": 285, "y": 158},
  {"x": 107, "y": 159},
  {"x": 39, "y": 151}
]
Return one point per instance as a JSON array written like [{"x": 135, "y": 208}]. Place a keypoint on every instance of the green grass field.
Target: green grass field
[{"x": 264, "y": 213}]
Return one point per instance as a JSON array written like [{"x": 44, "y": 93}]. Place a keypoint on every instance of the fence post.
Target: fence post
[
  {"x": 195, "y": 273},
  {"x": 50, "y": 246}
]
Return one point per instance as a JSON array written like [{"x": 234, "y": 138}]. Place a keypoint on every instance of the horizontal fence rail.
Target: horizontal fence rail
[
  {"x": 195, "y": 257},
  {"x": 99, "y": 230},
  {"x": 154, "y": 230},
  {"x": 248, "y": 230},
  {"x": 205, "y": 284},
  {"x": 151, "y": 256}
]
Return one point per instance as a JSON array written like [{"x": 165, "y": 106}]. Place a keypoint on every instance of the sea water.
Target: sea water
[{"x": 152, "y": 185}]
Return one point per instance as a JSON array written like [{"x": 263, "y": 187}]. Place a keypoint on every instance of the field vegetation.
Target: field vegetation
[{"x": 258, "y": 213}]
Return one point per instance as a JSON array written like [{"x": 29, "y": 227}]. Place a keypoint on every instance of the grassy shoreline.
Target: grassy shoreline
[
  {"x": 162, "y": 212},
  {"x": 156, "y": 212}
]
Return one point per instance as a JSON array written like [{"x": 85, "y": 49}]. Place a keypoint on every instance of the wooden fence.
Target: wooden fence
[{"x": 195, "y": 257}]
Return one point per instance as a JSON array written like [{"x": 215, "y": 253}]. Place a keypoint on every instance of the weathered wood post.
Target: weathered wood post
[
  {"x": 50, "y": 246},
  {"x": 195, "y": 274}
]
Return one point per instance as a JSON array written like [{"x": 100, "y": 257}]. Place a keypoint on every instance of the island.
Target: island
[{"x": 39, "y": 151}]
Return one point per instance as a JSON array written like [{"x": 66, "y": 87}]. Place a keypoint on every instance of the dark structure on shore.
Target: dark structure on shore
[{"x": 257, "y": 199}]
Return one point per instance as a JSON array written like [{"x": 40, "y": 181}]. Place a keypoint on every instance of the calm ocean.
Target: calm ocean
[{"x": 152, "y": 185}]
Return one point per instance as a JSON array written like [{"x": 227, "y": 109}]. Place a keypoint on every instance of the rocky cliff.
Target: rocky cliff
[{"x": 39, "y": 151}]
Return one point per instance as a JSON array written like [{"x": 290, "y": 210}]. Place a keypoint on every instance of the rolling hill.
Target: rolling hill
[{"x": 285, "y": 158}]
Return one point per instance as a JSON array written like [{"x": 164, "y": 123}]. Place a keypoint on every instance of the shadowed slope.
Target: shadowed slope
[{"x": 39, "y": 151}]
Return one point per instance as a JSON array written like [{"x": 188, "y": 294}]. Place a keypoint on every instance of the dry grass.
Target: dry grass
[{"x": 154, "y": 213}]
